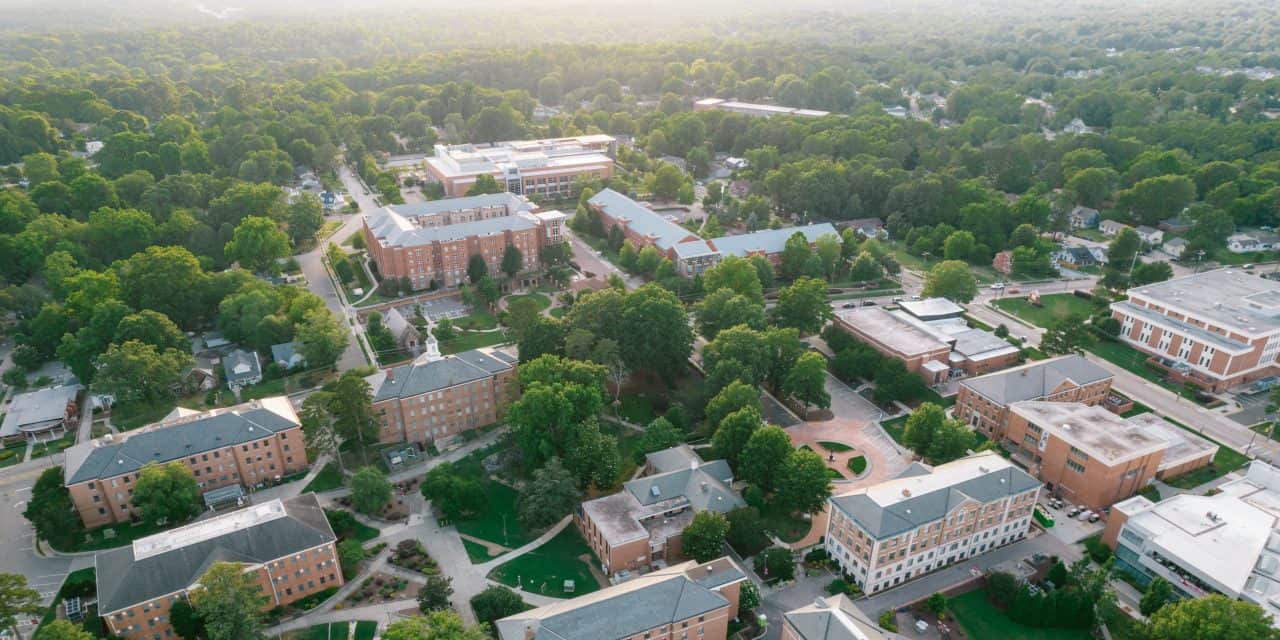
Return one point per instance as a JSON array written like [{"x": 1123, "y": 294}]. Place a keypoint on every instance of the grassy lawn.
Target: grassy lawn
[
  {"x": 81, "y": 583},
  {"x": 982, "y": 621},
  {"x": 544, "y": 302},
  {"x": 636, "y": 409},
  {"x": 466, "y": 341},
  {"x": 1052, "y": 308},
  {"x": 365, "y": 629},
  {"x": 42, "y": 449},
  {"x": 476, "y": 553},
  {"x": 629, "y": 454},
  {"x": 896, "y": 427},
  {"x": 498, "y": 522},
  {"x": 782, "y": 523},
  {"x": 131, "y": 415},
  {"x": 858, "y": 465},
  {"x": 557, "y": 312},
  {"x": 478, "y": 319},
  {"x": 1130, "y": 359},
  {"x": 330, "y": 477},
  {"x": 1224, "y": 462},
  {"x": 545, "y": 569},
  {"x": 13, "y": 453},
  {"x": 835, "y": 447},
  {"x": 125, "y": 533}
]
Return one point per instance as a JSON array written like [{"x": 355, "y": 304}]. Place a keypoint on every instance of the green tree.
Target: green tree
[
  {"x": 370, "y": 490},
  {"x": 135, "y": 370},
  {"x": 959, "y": 245},
  {"x": 795, "y": 254},
  {"x": 828, "y": 249},
  {"x": 1159, "y": 592},
  {"x": 496, "y": 602},
  {"x": 456, "y": 496},
  {"x": 936, "y": 604},
  {"x": 305, "y": 217},
  {"x": 16, "y": 599},
  {"x": 775, "y": 563},
  {"x": 762, "y": 456},
  {"x": 1092, "y": 186},
  {"x": 1149, "y": 272},
  {"x": 1068, "y": 335},
  {"x": 1154, "y": 199},
  {"x": 666, "y": 182},
  {"x": 1123, "y": 248},
  {"x": 231, "y": 602},
  {"x": 39, "y": 168},
  {"x": 62, "y": 630},
  {"x": 865, "y": 268},
  {"x": 735, "y": 396},
  {"x": 922, "y": 426},
  {"x": 512, "y": 261},
  {"x": 322, "y": 337},
  {"x": 148, "y": 280},
  {"x": 951, "y": 279},
  {"x": 485, "y": 183},
  {"x": 435, "y": 594},
  {"x": 736, "y": 274},
  {"x": 803, "y": 484},
  {"x": 660, "y": 434},
  {"x": 50, "y": 510},
  {"x": 549, "y": 496},
  {"x": 153, "y": 328},
  {"x": 437, "y": 625},
  {"x": 807, "y": 381},
  {"x": 951, "y": 441},
  {"x": 477, "y": 268},
  {"x": 654, "y": 332},
  {"x": 257, "y": 243},
  {"x": 350, "y": 555},
  {"x": 186, "y": 621},
  {"x": 167, "y": 493},
  {"x": 703, "y": 540},
  {"x": 803, "y": 306},
  {"x": 748, "y": 534},
  {"x": 91, "y": 192},
  {"x": 647, "y": 260},
  {"x": 723, "y": 309},
  {"x": 734, "y": 431},
  {"x": 1214, "y": 617},
  {"x": 542, "y": 336}
]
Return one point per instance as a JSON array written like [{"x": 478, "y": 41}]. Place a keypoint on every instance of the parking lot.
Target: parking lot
[{"x": 1069, "y": 530}]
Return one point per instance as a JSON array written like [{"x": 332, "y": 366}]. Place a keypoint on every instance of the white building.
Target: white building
[{"x": 928, "y": 518}]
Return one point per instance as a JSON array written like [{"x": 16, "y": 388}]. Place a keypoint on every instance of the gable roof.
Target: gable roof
[
  {"x": 833, "y": 618},
  {"x": 635, "y": 606},
  {"x": 238, "y": 358},
  {"x": 770, "y": 240},
  {"x": 425, "y": 375},
  {"x": 285, "y": 352},
  {"x": 173, "y": 561},
  {"x": 184, "y": 436},
  {"x": 641, "y": 219},
  {"x": 1035, "y": 380},
  {"x": 914, "y": 499}
]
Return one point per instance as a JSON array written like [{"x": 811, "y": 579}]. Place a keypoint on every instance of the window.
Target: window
[{"x": 1075, "y": 466}]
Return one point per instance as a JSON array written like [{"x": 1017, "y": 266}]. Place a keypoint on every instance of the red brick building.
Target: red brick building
[{"x": 983, "y": 402}]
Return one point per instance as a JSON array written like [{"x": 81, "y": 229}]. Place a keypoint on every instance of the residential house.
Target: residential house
[
  {"x": 242, "y": 369},
  {"x": 641, "y": 526},
  {"x": 1082, "y": 217},
  {"x": 407, "y": 336},
  {"x": 288, "y": 355},
  {"x": 1251, "y": 241},
  {"x": 286, "y": 547},
  {"x": 869, "y": 227},
  {"x": 245, "y": 445},
  {"x": 1111, "y": 228},
  {"x": 1175, "y": 247},
  {"x": 1176, "y": 224},
  {"x": 1150, "y": 236},
  {"x": 831, "y": 618},
  {"x": 687, "y": 601},
  {"x": 42, "y": 414},
  {"x": 1075, "y": 258}
]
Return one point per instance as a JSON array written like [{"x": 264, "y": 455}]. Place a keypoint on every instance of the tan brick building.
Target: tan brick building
[
  {"x": 831, "y": 618},
  {"x": 641, "y": 526},
  {"x": 249, "y": 444},
  {"x": 983, "y": 402},
  {"x": 1219, "y": 328},
  {"x": 1091, "y": 456},
  {"x": 895, "y": 336},
  {"x": 287, "y": 545},
  {"x": 928, "y": 518},
  {"x": 689, "y": 601},
  {"x": 549, "y": 167},
  {"x": 435, "y": 398},
  {"x": 432, "y": 242}
]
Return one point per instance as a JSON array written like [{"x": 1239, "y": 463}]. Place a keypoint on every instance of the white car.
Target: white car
[
  {"x": 997, "y": 286},
  {"x": 1084, "y": 515}
]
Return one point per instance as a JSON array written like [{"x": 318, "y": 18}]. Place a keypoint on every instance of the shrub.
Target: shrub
[{"x": 889, "y": 621}]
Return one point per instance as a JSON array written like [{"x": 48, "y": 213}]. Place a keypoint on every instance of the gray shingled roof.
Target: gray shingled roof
[
  {"x": 1036, "y": 380},
  {"x": 124, "y": 581},
  {"x": 770, "y": 240},
  {"x": 238, "y": 357},
  {"x": 641, "y": 219},
  {"x": 631, "y": 611},
  {"x": 511, "y": 201},
  {"x": 395, "y": 230},
  {"x": 905, "y": 515},
  {"x": 706, "y": 487},
  {"x": 424, "y": 376},
  {"x": 239, "y": 424},
  {"x": 836, "y": 618}
]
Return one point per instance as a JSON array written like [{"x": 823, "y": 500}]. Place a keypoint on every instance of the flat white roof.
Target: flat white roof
[
  {"x": 930, "y": 308},
  {"x": 208, "y": 529},
  {"x": 1228, "y": 298},
  {"x": 893, "y": 332},
  {"x": 1184, "y": 446},
  {"x": 891, "y": 492},
  {"x": 1098, "y": 432}
]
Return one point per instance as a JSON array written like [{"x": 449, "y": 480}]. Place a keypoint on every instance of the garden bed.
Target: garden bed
[
  {"x": 411, "y": 555},
  {"x": 381, "y": 587}
]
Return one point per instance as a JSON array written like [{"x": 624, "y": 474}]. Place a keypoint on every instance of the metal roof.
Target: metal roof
[
  {"x": 1036, "y": 380},
  {"x": 641, "y": 219},
  {"x": 770, "y": 240}
]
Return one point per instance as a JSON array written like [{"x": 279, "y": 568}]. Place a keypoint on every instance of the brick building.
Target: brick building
[
  {"x": 688, "y": 601},
  {"x": 983, "y": 402},
  {"x": 435, "y": 398},
  {"x": 928, "y": 518},
  {"x": 1218, "y": 329},
  {"x": 895, "y": 336},
  {"x": 286, "y": 545},
  {"x": 640, "y": 224},
  {"x": 548, "y": 167},
  {"x": 1095, "y": 458},
  {"x": 641, "y": 526},
  {"x": 432, "y": 242},
  {"x": 246, "y": 445}
]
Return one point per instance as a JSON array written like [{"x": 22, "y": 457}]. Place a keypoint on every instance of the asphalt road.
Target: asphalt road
[{"x": 43, "y": 574}]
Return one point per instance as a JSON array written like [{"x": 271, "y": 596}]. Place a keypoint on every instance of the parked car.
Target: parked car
[
  {"x": 1095, "y": 517},
  {"x": 997, "y": 286},
  {"x": 1084, "y": 515},
  {"x": 1073, "y": 511},
  {"x": 868, "y": 303},
  {"x": 848, "y": 305},
  {"x": 898, "y": 299}
]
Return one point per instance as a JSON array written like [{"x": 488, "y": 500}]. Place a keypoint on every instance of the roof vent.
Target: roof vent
[
  {"x": 906, "y": 493},
  {"x": 710, "y": 568},
  {"x": 703, "y": 486},
  {"x": 983, "y": 469},
  {"x": 655, "y": 491}
]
